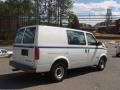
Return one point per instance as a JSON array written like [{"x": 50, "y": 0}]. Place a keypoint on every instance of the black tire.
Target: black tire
[
  {"x": 58, "y": 72},
  {"x": 102, "y": 64},
  {"x": 117, "y": 54},
  {"x": 10, "y": 56}
]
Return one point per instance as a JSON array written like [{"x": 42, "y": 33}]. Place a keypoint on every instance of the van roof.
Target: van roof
[{"x": 54, "y": 27}]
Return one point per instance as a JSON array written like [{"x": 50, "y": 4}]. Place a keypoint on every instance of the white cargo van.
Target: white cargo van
[{"x": 55, "y": 50}]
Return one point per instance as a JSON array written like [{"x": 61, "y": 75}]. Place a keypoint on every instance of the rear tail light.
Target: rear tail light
[{"x": 37, "y": 53}]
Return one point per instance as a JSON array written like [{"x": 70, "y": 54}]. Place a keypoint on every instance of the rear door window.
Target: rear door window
[
  {"x": 29, "y": 35},
  {"x": 19, "y": 35}
]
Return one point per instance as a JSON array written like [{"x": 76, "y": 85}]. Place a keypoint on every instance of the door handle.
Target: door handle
[
  {"x": 88, "y": 50},
  {"x": 85, "y": 50}
]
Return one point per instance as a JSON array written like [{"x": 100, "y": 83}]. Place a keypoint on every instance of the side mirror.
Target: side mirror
[{"x": 98, "y": 43}]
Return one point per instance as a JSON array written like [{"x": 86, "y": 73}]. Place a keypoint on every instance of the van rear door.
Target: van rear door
[{"x": 24, "y": 46}]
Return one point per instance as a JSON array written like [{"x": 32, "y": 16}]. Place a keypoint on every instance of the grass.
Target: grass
[
  {"x": 112, "y": 35},
  {"x": 6, "y": 42},
  {"x": 107, "y": 36}
]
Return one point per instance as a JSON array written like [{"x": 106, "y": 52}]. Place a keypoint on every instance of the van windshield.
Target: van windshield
[{"x": 25, "y": 36}]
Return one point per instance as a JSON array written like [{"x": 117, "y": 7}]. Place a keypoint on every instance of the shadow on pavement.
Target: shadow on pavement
[
  {"x": 115, "y": 56},
  {"x": 81, "y": 71},
  {"x": 22, "y": 80}
]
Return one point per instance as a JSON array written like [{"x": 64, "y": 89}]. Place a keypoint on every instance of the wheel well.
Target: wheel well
[
  {"x": 61, "y": 61},
  {"x": 105, "y": 58}
]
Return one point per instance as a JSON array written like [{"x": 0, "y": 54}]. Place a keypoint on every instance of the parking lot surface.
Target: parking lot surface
[{"x": 79, "y": 79}]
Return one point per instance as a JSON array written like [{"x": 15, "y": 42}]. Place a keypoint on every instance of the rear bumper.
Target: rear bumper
[{"x": 22, "y": 66}]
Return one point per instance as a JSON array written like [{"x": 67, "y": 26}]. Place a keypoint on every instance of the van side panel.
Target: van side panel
[
  {"x": 51, "y": 42},
  {"x": 53, "y": 36}
]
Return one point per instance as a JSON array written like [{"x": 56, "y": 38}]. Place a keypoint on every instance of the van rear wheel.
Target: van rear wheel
[
  {"x": 58, "y": 72},
  {"x": 102, "y": 64}
]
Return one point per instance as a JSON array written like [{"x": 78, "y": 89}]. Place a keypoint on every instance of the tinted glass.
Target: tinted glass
[
  {"x": 91, "y": 40},
  {"x": 76, "y": 38},
  {"x": 19, "y": 35},
  {"x": 29, "y": 35}
]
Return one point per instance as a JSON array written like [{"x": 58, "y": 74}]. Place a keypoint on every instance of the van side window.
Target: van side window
[
  {"x": 29, "y": 35},
  {"x": 91, "y": 40},
  {"x": 19, "y": 35},
  {"x": 76, "y": 38}
]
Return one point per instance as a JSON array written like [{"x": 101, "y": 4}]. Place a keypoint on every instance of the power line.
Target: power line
[{"x": 96, "y": 15}]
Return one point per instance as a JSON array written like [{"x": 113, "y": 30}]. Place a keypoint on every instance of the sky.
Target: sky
[{"x": 95, "y": 7}]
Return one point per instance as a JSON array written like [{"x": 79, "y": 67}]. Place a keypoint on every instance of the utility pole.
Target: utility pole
[
  {"x": 58, "y": 6},
  {"x": 37, "y": 11},
  {"x": 61, "y": 13}
]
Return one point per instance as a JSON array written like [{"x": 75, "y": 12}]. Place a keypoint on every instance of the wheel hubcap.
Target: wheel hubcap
[
  {"x": 59, "y": 72},
  {"x": 102, "y": 65}
]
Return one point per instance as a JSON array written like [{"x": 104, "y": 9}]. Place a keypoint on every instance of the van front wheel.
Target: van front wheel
[
  {"x": 58, "y": 72},
  {"x": 117, "y": 55},
  {"x": 102, "y": 64}
]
